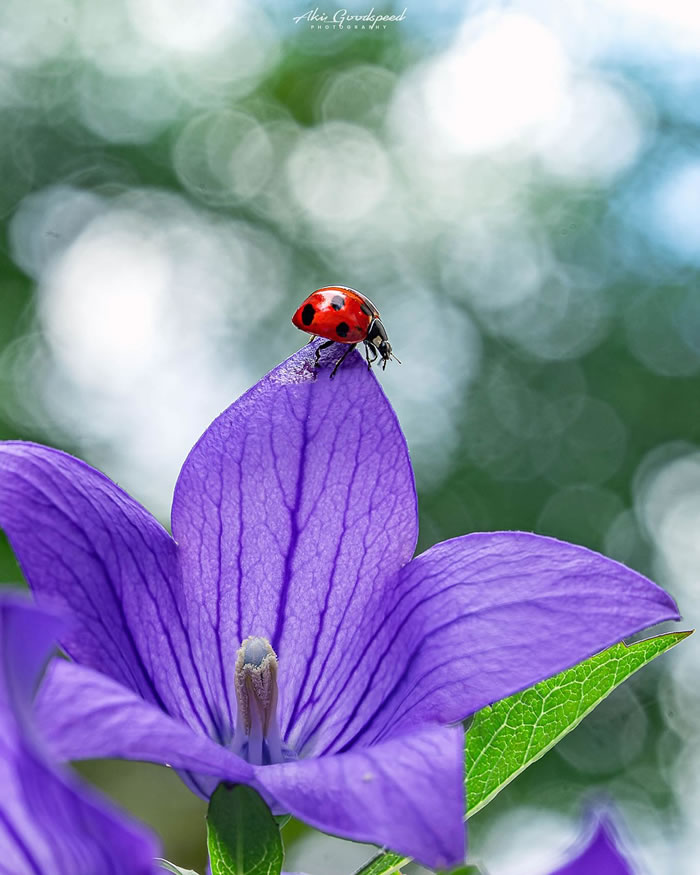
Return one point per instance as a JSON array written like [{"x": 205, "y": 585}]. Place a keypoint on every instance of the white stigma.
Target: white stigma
[
  {"x": 257, "y": 735},
  {"x": 254, "y": 651}
]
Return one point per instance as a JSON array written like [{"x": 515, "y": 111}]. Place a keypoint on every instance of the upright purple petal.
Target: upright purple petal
[
  {"x": 291, "y": 512},
  {"x": 49, "y": 823},
  {"x": 82, "y": 542},
  {"x": 478, "y": 618},
  {"x": 601, "y": 855},
  {"x": 406, "y": 793},
  {"x": 85, "y": 715}
]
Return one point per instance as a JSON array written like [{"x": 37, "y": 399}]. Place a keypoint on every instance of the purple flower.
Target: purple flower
[
  {"x": 284, "y": 637},
  {"x": 50, "y": 824},
  {"x": 600, "y": 854}
]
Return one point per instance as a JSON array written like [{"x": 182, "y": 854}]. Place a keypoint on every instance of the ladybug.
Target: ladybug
[{"x": 343, "y": 315}]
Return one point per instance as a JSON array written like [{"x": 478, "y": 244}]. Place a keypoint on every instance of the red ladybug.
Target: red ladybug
[{"x": 343, "y": 315}]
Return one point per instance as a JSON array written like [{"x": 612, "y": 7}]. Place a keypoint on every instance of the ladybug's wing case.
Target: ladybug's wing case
[
  {"x": 363, "y": 299},
  {"x": 335, "y": 314}
]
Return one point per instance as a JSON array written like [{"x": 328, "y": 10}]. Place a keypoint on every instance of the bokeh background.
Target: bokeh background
[{"x": 516, "y": 184}]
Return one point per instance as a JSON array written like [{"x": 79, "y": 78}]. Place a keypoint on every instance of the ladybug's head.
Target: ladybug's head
[
  {"x": 377, "y": 337},
  {"x": 384, "y": 350}
]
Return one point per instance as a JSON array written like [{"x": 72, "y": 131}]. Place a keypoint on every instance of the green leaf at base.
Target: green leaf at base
[
  {"x": 505, "y": 738},
  {"x": 242, "y": 834}
]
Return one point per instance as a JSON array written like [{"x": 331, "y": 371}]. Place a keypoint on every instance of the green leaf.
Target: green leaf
[
  {"x": 242, "y": 834},
  {"x": 384, "y": 864},
  {"x": 389, "y": 864},
  {"x": 505, "y": 738}
]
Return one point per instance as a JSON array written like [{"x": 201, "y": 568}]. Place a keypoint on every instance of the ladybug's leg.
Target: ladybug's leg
[
  {"x": 342, "y": 358},
  {"x": 318, "y": 350},
  {"x": 368, "y": 347}
]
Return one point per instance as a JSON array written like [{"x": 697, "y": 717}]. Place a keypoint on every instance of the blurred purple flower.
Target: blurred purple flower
[
  {"x": 294, "y": 521},
  {"x": 50, "y": 824},
  {"x": 600, "y": 854},
  {"x": 596, "y": 852}
]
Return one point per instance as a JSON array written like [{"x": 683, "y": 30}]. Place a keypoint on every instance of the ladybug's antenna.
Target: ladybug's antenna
[{"x": 391, "y": 355}]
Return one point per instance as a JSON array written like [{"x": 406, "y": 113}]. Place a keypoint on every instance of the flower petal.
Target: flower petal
[
  {"x": 49, "y": 822},
  {"x": 291, "y": 512},
  {"x": 600, "y": 856},
  {"x": 84, "y": 715},
  {"x": 87, "y": 545},
  {"x": 478, "y": 618},
  {"x": 406, "y": 793}
]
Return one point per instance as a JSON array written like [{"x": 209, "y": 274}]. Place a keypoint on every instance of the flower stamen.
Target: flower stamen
[{"x": 257, "y": 735}]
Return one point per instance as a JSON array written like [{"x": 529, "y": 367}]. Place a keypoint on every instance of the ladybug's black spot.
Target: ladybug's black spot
[
  {"x": 342, "y": 329},
  {"x": 338, "y": 302},
  {"x": 307, "y": 314}
]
